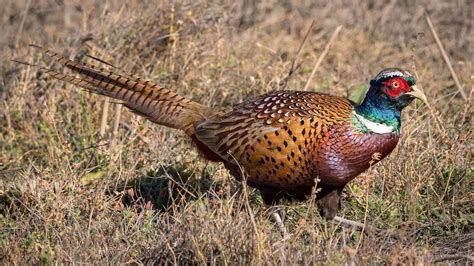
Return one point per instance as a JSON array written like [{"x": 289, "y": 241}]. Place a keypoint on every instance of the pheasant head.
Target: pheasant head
[{"x": 390, "y": 91}]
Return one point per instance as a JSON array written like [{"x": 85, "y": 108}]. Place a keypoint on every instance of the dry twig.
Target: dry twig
[
  {"x": 103, "y": 118},
  {"x": 293, "y": 68},
  {"x": 323, "y": 54},
  {"x": 113, "y": 140},
  {"x": 445, "y": 56}
]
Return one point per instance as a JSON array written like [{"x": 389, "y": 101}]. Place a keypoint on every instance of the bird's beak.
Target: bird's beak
[{"x": 417, "y": 93}]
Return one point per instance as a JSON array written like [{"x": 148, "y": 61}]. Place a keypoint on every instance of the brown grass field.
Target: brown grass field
[{"x": 68, "y": 195}]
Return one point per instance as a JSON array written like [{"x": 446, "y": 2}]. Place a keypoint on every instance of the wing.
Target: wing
[{"x": 272, "y": 134}]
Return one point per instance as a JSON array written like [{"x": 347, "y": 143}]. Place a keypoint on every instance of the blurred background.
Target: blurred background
[{"x": 74, "y": 188}]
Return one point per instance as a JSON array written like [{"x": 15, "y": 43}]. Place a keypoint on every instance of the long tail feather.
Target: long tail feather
[{"x": 160, "y": 105}]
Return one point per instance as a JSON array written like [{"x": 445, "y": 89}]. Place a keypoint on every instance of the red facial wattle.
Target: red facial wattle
[{"x": 396, "y": 86}]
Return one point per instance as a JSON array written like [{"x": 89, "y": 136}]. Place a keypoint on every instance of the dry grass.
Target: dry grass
[{"x": 65, "y": 196}]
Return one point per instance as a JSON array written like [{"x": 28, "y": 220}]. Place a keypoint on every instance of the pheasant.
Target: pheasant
[{"x": 283, "y": 143}]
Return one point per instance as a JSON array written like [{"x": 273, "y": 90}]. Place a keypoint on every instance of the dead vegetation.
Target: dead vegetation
[{"x": 66, "y": 195}]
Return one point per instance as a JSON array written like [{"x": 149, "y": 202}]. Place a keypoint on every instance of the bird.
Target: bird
[{"x": 285, "y": 143}]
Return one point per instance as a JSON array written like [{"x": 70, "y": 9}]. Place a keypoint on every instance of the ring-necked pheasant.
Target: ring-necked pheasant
[{"x": 280, "y": 142}]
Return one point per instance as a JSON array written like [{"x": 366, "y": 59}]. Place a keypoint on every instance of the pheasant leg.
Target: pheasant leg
[
  {"x": 330, "y": 204},
  {"x": 354, "y": 224},
  {"x": 279, "y": 222}
]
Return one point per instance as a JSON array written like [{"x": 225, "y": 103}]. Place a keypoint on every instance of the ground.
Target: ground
[{"x": 73, "y": 191}]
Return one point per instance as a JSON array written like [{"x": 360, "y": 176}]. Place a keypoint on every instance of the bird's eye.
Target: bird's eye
[{"x": 395, "y": 84}]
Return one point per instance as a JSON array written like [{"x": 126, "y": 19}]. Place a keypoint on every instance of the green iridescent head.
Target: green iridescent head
[{"x": 394, "y": 86}]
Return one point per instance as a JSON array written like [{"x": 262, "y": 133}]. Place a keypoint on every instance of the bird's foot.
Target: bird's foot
[
  {"x": 354, "y": 224},
  {"x": 367, "y": 229},
  {"x": 279, "y": 222}
]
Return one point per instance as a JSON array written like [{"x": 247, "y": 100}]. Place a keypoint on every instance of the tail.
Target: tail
[{"x": 148, "y": 99}]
